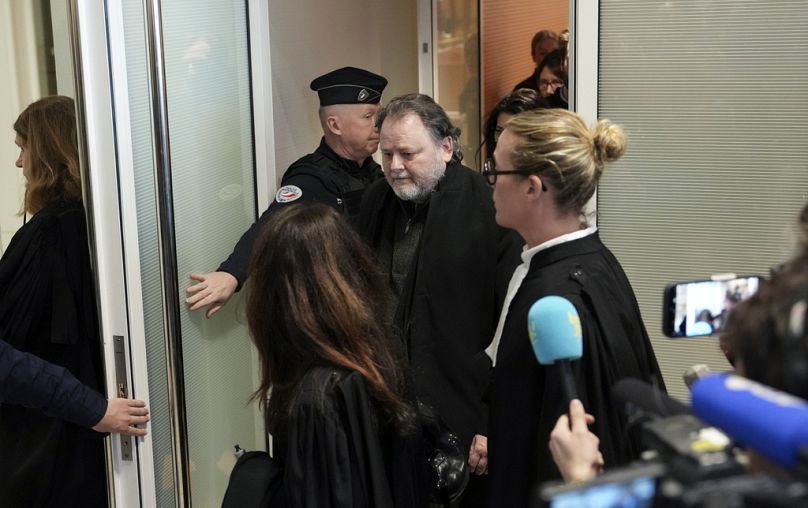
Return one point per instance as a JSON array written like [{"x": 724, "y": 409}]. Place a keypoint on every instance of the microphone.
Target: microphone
[
  {"x": 555, "y": 333},
  {"x": 633, "y": 395},
  {"x": 692, "y": 450},
  {"x": 772, "y": 422}
]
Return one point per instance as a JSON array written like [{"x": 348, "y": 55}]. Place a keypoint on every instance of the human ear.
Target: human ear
[
  {"x": 332, "y": 122},
  {"x": 447, "y": 149},
  {"x": 536, "y": 185}
]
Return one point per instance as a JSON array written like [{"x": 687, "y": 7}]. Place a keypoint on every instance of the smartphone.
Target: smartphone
[
  {"x": 700, "y": 307},
  {"x": 634, "y": 486}
]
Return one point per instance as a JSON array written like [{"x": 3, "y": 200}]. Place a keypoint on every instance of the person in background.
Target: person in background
[
  {"x": 336, "y": 174},
  {"x": 29, "y": 381},
  {"x": 547, "y": 166},
  {"x": 703, "y": 324},
  {"x": 334, "y": 389},
  {"x": 768, "y": 332},
  {"x": 515, "y": 102},
  {"x": 543, "y": 42},
  {"x": 444, "y": 261},
  {"x": 48, "y": 309},
  {"x": 560, "y": 98},
  {"x": 726, "y": 339},
  {"x": 551, "y": 74}
]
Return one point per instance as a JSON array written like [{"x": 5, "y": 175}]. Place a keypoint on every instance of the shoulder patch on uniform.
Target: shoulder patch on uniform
[{"x": 288, "y": 193}]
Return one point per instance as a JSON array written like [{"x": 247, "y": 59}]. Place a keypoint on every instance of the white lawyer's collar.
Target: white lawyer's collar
[{"x": 527, "y": 254}]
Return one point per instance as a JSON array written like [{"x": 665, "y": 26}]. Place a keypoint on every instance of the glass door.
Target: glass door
[
  {"x": 449, "y": 65},
  {"x": 165, "y": 92}
]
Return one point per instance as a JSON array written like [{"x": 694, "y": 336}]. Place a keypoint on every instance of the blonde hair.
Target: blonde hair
[
  {"x": 48, "y": 131},
  {"x": 569, "y": 156}
]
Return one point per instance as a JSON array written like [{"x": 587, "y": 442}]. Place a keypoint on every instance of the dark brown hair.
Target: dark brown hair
[
  {"x": 552, "y": 61},
  {"x": 768, "y": 333},
  {"x": 518, "y": 101},
  {"x": 539, "y": 37},
  {"x": 48, "y": 131},
  {"x": 433, "y": 116},
  {"x": 317, "y": 299}
]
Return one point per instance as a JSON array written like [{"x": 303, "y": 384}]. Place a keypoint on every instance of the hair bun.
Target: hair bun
[{"x": 609, "y": 141}]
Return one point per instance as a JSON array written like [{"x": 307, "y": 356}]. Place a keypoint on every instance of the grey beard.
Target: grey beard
[{"x": 419, "y": 194}]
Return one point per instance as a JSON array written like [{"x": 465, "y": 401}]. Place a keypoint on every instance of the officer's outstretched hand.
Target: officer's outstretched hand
[
  {"x": 213, "y": 289},
  {"x": 121, "y": 415},
  {"x": 574, "y": 448}
]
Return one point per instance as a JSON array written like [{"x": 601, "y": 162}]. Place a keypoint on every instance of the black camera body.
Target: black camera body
[{"x": 691, "y": 465}]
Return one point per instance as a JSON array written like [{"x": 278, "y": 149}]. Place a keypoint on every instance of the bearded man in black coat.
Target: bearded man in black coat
[{"x": 431, "y": 223}]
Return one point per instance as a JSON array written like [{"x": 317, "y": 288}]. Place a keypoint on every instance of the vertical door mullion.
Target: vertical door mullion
[
  {"x": 168, "y": 250},
  {"x": 101, "y": 192},
  {"x": 426, "y": 50}
]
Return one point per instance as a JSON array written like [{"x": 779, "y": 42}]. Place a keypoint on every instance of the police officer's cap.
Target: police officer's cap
[{"x": 349, "y": 85}]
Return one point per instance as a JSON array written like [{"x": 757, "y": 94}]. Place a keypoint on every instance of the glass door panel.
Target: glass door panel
[
  {"x": 206, "y": 60},
  {"x": 210, "y": 125},
  {"x": 457, "y": 63}
]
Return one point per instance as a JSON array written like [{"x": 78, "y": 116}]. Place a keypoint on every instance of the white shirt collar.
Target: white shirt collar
[
  {"x": 527, "y": 254},
  {"x": 519, "y": 275}
]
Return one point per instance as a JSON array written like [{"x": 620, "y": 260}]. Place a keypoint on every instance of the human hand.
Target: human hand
[
  {"x": 121, "y": 415},
  {"x": 574, "y": 448},
  {"x": 478, "y": 454},
  {"x": 214, "y": 289}
]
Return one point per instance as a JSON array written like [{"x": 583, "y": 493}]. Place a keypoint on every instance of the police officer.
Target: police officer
[{"x": 335, "y": 174}]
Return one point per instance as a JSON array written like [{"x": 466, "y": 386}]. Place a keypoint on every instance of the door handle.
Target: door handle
[{"x": 122, "y": 384}]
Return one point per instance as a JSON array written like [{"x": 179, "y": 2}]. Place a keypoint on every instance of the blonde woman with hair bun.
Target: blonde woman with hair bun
[{"x": 547, "y": 165}]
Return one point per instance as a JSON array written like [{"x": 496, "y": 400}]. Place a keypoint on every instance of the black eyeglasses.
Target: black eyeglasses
[
  {"x": 490, "y": 172},
  {"x": 544, "y": 84}
]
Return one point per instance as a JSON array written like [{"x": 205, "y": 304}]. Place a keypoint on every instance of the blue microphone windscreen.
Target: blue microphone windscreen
[
  {"x": 555, "y": 330},
  {"x": 773, "y": 423}
]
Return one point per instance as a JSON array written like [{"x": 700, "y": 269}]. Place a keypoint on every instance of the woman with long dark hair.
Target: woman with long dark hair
[
  {"x": 332, "y": 384},
  {"x": 47, "y": 308}
]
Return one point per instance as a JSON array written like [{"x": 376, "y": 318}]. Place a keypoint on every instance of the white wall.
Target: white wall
[
  {"x": 19, "y": 87},
  {"x": 62, "y": 51},
  {"x": 379, "y": 35}
]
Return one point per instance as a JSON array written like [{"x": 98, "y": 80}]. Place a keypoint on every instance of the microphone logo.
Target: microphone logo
[
  {"x": 740, "y": 384},
  {"x": 575, "y": 322},
  {"x": 572, "y": 318}
]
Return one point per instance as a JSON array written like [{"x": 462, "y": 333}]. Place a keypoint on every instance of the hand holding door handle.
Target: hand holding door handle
[{"x": 121, "y": 416}]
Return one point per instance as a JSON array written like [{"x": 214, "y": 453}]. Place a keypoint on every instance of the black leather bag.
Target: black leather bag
[
  {"x": 254, "y": 481},
  {"x": 446, "y": 458}
]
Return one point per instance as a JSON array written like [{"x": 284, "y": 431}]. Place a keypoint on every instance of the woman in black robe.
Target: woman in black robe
[
  {"x": 332, "y": 384},
  {"x": 548, "y": 163},
  {"x": 47, "y": 308}
]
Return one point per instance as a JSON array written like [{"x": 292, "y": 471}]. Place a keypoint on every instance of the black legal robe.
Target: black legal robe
[
  {"x": 450, "y": 304},
  {"x": 47, "y": 308},
  {"x": 527, "y": 398},
  {"x": 336, "y": 450}
]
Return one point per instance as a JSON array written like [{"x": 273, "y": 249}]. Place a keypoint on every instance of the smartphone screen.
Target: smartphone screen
[
  {"x": 638, "y": 492},
  {"x": 634, "y": 486},
  {"x": 701, "y": 307}
]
